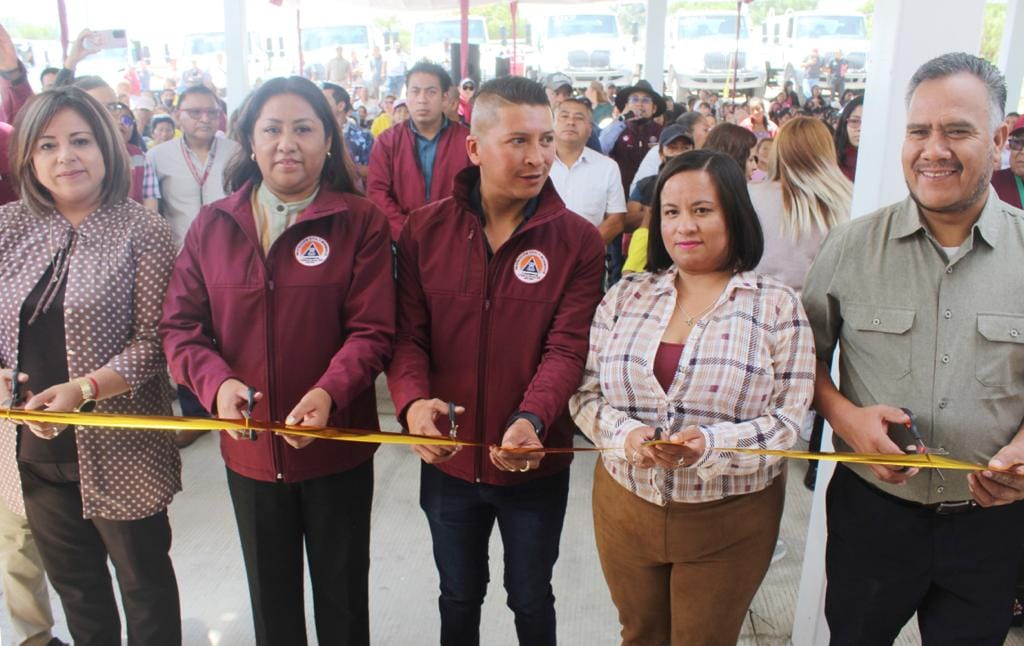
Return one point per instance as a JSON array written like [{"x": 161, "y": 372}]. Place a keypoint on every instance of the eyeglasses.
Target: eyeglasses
[
  {"x": 1016, "y": 144},
  {"x": 199, "y": 113},
  {"x": 116, "y": 106},
  {"x": 640, "y": 99},
  {"x": 853, "y": 123},
  {"x": 468, "y": 86},
  {"x": 127, "y": 120}
]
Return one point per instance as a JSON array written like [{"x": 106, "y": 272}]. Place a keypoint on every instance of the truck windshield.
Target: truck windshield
[
  {"x": 201, "y": 44},
  {"x": 426, "y": 34},
  {"x": 830, "y": 27},
  {"x": 582, "y": 25},
  {"x": 326, "y": 37},
  {"x": 691, "y": 27}
]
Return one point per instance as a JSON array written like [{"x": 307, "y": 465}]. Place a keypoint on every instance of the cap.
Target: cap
[
  {"x": 467, "y": 81},
  {"x": 1017, "y": 125},
  {"x": 142, "y": 102},
  {"x": 399, "y": 103},
  {"x": 673, "y": 132},
  {"x": 557, "y": 81}
]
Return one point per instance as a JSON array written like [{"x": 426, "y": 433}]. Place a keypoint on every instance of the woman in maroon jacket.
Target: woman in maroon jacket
[{"x": 285, "y": 286}]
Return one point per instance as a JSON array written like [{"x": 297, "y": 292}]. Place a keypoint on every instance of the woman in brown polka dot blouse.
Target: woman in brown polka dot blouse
[
  {"x": 285, "y": 286},
  {"x": 83, "y": 271}
]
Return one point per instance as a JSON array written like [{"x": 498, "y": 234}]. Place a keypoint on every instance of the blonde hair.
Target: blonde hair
[
  {"x": 32, "y": 122},
  {"x": 599, "y": 92},
  {"x": 815, "y": 193}
]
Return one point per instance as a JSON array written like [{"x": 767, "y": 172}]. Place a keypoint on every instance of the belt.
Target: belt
[{"x": 948, "y": 508}]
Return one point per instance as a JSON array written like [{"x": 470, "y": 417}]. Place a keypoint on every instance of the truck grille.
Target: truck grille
[
  {"x": 599, "y": 58},
  {"x": 723, "y": 60}
]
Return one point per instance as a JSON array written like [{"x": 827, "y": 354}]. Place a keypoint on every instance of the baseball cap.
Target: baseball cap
[
  {"x": 557, "y": 81},
  {"x": 467, "y": 81},
  {"x": 142, "y": 102},
  {"x": 673, "y": 132},
  {"x": 399, "y": 103},
  {"x": 1017, "y": 125}
]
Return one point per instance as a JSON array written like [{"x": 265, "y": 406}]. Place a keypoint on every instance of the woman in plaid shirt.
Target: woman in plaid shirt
[{"x": 702, "y": 351}]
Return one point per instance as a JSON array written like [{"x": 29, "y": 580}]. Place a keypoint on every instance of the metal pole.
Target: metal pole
[{"x": 736, "y": 56}]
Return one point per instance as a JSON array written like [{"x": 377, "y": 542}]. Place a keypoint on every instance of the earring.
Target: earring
[
  {"x": 252, "y": 156},
  {"x": 328, "y": 154}
]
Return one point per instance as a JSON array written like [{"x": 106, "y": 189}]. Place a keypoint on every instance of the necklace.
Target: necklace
[{"x": 690, "y": 319}]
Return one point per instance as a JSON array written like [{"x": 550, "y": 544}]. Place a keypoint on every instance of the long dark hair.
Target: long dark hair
[
  {"x": 746, "y": 240},
  {"x": 842, "y": 137},
  {"x": 338, "y": 172}
]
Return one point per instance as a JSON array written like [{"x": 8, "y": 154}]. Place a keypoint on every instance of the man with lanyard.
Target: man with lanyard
[
  {"x": 587, "y": 181},
  {"x": 1009, "y": 182},
  {"x": 182, "y": 176},
  {"x": 358, "y": 142},
  {"x": 414, "y": 163},
  {"x": 497, "y": 288},
  {"x": 925, "y": 301}
]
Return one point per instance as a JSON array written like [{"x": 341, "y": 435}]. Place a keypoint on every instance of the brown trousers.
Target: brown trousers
[{"x": 684, "y": 574}]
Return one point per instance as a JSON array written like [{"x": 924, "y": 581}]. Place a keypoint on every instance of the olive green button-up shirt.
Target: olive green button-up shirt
[{"x": 941, "y": 336}]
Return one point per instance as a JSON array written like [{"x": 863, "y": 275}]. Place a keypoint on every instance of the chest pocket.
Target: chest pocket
[
  {"x": 999, "y": 349},
  {"x": 880, "y": 335}
]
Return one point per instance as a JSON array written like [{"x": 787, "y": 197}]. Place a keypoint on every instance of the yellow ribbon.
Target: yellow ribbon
[{"x": 166, "y": 423}]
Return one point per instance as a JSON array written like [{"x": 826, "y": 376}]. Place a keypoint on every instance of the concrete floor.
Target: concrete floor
[{"x": 403, "y": 581}]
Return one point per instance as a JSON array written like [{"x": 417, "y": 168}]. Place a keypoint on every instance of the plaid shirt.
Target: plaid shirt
[
  {"x": 746, "y": 379},
  {"x": 150, "y": 183}
]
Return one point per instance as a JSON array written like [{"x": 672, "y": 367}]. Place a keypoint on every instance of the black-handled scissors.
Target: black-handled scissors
[
  {"x": 250, "y": 434},
  {"x": 15, "y": 387}
]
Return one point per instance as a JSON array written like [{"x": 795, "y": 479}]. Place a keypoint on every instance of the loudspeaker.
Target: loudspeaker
[{"x": 456, "y": 59}]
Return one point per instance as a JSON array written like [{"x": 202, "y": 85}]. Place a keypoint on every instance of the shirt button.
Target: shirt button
[
  {"x": 942, "y": 404},
  {"x": 948, "y": 314},
  {"x": 949, "y": 270},
  {"x": 1014, "y": 333},
  {"x": 939, "y": 489},
  {"x": 945, "y": 358},
  {"x": 876, "y": 322},
  {"x": 71, "y": 352}
]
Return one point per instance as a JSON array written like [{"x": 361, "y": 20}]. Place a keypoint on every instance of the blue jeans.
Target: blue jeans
[{"x": 461, "y": 515}]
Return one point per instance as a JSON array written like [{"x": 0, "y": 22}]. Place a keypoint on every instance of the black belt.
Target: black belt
[{"x": 948, "y": 508}]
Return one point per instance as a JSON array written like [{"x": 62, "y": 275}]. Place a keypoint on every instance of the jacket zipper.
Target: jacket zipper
[
  {"x": 274, "y": 448},
  {"x": 465, "y": 265}
]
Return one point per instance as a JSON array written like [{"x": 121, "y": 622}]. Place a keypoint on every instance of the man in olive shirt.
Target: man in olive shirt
[{"x": 926, "y": 301}]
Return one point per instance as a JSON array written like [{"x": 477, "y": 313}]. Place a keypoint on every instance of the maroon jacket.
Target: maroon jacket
[
  {"x": 474, "y": 332},
  {"x": 284, "y": 327},
  {"x": 396, "y": 183},
  {"x": 1006, "y": 187},
  {"x": 13, "y": 96},
  {"x": 631, "y": 147}
]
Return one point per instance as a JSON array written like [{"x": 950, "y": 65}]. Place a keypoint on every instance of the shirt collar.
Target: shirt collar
[
  {"x": 988, "y": 225},
  {"x": 583, "y": 158},
  {"x": 665, "y": 281},
  {"x": 476, "y": 204},
  {"x": 276, "y": 208},
  {"x": 444, "y": 124}
]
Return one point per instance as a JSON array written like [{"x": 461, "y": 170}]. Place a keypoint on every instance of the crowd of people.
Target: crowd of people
[{"x": 676, "y": 279}]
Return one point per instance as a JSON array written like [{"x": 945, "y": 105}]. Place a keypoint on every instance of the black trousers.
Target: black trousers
[
  {"x": 75, "y": 551},
  {"x": 887, "y": 559},
  {"x": 331, "y": 515}
]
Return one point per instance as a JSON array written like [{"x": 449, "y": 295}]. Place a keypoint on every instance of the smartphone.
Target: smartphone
[{"x": 108, "y": 39}]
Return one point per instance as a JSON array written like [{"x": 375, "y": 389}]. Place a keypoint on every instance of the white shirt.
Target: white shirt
[
  {"x": 592, "y": 187},
  {"x": 649, "y": 166}
]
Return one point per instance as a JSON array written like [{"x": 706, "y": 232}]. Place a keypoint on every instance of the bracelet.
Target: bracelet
[{"x": 95, "y": 388}]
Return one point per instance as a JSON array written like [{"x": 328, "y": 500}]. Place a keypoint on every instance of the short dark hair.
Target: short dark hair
[
  {"x": 48, "y": 70},
  {"x": 338, "y": 172},
  {"x": 963, "y": 63},
  {"x": 689, "y": 119},
  {"x": 505, "y": 91},
  {"x": 426, "y": 67},
  {"x": 197, "y": 89},
  {"x": 339, "y": 93},
  {"x": 733, "y": 140},
  {"x": 746, "y": 240}
]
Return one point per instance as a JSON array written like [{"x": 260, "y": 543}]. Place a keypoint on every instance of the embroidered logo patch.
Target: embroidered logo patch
[
  {"x": 312, "y": 251},
  {"x": 531, "y": 266}
]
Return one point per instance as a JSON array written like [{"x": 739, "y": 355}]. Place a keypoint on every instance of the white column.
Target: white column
[
  {"x": 654, "y": 58},
  {"x": 1013, "y": 41},
  {"x": 906, "y": 34},
  {"x": 235, "y": 55}
]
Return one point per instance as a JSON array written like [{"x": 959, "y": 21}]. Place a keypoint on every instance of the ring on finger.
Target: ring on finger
[{"x": 525, "y": 468}]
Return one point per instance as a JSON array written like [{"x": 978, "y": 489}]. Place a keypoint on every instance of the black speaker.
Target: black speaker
[{"x": 474, "y": 62}]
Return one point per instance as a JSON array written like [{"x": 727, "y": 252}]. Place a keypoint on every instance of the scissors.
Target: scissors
[
  {"x": 249, "y": 433},
  {"x": 15, "y": 387},
  {"x": 453, "y": 424},
  {"x": 919, "y": 446}
]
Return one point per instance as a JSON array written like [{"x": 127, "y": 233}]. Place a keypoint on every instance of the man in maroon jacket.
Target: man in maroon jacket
[
  {"x": 497, "y": 289},
  {"x": 1009, "y": 182},
  {"x": 414, "y": 163}
]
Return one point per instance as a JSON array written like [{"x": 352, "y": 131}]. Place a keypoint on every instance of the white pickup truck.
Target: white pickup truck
[{"x": 703, "y": 55}]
